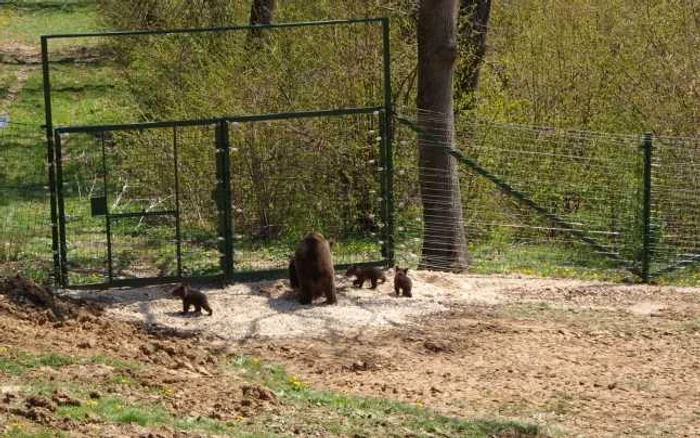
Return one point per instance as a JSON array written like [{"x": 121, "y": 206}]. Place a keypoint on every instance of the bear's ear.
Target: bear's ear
[
  {"x": 405, "y": 271},
  {"x": 396, "y": 268},
  {"x": 331, "y": 242}
]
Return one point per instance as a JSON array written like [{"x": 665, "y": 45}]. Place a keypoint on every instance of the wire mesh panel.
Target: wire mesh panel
[
  {"x": 198, "y": 211},
  {"x": 535, "y": 200},
  {"x": 675, "y": 219},
  {"x": 295, "y": 175},
  {"x": 25, "y": 221},
  {"x": 138, "y": 203},
  {"x": 586, "y": 182},
  {"x": 83, "y": 195}
]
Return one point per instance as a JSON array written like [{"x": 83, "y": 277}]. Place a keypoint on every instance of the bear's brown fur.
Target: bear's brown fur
[
  {"x": 402, "y": 282},
  {"x": 313, "y": 264},
  {"x": 293, "y": 280},
  {"x": 191, "y": 297},
  {"x": 362, "y": 274}
]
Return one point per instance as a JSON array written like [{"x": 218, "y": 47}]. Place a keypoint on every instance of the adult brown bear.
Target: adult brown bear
[{"x": 313, "y": 264}]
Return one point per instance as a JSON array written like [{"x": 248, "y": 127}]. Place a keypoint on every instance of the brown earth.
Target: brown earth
[{"x": 580, "y": 358}]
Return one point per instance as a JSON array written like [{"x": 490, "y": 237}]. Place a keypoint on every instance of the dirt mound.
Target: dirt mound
[{"x": 28, "y": 300}]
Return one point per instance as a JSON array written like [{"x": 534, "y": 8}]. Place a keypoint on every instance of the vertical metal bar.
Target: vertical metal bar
[
  {"x": 646, "y": 211},
  {"x": 58, "y": 155},
  {"x": 108, "y": 229},
  {"x": 178, "y": 236},
  {"x": 387, "y": 139},
  {"x": 383, "y": 165},
  {"x": 223, "y": 198},
  {"x": 50, "y": 157}
]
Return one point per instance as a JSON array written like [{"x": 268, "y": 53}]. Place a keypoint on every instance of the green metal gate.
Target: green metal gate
[
  {"x": 141, "y": 203},
  {"x": 135, "y": 206}
]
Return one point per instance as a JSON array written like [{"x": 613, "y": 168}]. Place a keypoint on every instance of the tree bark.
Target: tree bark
[
  {"x": 261, "y": 12},
  {"x": 444, "y": 240},
  {"x": 473, "y": 22}
]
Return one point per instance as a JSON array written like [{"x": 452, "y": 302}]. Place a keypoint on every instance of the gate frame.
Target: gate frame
[{"x": 55, "y": 172}]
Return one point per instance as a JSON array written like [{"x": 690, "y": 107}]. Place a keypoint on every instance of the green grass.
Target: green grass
[
  {"x": 300, "y": 406},
  {"x": 16, "y": 362},
  {"x": 119, "y": 364},
  {"x": 545, "y": 260},
  {"x": 118, "y": 410},
  {"x": 25, "y": 21},
  {"x": 82, "y": 94},
  {"x": 348, "y": 415},
  {"x": 17, "y": 430}
]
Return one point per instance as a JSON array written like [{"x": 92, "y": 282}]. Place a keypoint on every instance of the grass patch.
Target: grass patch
[
  {"x": 117, "y": 410},
  {"x": 25, "y": 21},
  {"x": 20, "y": 429},
  {"x": 693, "y": 325},
  {"x": 15, "y": 362},
  {"x": 117, "y": 363},
  {"x": 343, "y": 414}
]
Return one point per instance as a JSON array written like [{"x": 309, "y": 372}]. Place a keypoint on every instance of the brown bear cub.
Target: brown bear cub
[
  {"x": 192, "y": 297},
  {"x": 313, "y": 265},
  {"x": 402, "y": 282},
  {"x": 363, "y": 274}
]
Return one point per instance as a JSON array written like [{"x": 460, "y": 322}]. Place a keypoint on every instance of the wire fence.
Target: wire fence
[
  {"x": 157, "y": 202},
  {"x": 25, "y": 220},
  {"x": 535, "y": 200},
  {"x": 552, "y": 202}
]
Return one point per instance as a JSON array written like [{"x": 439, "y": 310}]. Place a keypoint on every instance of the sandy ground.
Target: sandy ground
[
  {"x": 267, "y": 310},
  {"x": 580, "y": 358}
]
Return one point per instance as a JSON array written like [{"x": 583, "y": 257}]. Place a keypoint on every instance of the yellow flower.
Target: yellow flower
[
  {"x": 119, "y": 408},
  {"x": 294, "y": 380},
  {"x": 167, "y": 390},
  {"x": 4, "y": 350},
  {"x": 16, "y": 426}
]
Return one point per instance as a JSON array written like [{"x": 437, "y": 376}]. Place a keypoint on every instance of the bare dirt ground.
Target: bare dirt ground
[{"x": 581, "y": 358}]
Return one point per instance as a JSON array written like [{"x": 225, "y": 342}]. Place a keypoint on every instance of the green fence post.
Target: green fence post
[
  {"x": 387, "y": 137},
  {"x": 61, "y": 209},
  {"x": 178, "y": 233},
  {"x": 55, "y": 248},
  {"x": 646, "y": 211},
  {"x": 223, "y": 198}
]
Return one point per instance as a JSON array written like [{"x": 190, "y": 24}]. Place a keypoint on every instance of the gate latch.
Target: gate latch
[{"x": 98, "y": 206}]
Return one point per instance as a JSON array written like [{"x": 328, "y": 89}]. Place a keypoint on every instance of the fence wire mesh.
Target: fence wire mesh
[
  {"x": 544, "y": 201},
  {"x": 25, "y": 220},
  {"x": 675, "y": 194},
  {"x": 295, "y": 175},
  {"x": 149, "y": 202}
]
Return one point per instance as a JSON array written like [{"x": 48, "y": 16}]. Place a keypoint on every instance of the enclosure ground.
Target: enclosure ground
[{"x": 579, "y": 358}]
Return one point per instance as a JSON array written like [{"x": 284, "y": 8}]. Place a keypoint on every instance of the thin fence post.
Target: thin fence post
[
  {"x": 646, "y": 211},
  {"x": 223, "y": 198},
  {"x": 178, "y": 233},
  {"x": 387, "y": 139},
  {"x": 53, "y": 187},
  {"x": 61, "y": 208}
]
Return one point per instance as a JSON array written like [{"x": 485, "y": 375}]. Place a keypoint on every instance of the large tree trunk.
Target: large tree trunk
[
  {"x": 444, "y": 242},
  {"x": 261, "y": 12},
  {"x": 473, "y": 22}
]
